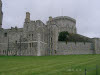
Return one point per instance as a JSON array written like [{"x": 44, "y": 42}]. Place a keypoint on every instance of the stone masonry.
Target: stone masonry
[{"x": 39, "y": 39}]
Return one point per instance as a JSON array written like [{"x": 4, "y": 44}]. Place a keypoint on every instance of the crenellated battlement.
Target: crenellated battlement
[{"x": 13, "y": 29}]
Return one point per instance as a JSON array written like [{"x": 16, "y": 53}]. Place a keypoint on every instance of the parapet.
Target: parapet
[
  {"x": 39, "y": 23},
  {"x": 64, "y": 17},
  {"x": 13, "y": 29}
]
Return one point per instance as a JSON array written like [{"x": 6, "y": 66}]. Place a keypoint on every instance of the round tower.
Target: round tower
[{"x": 64, "y": 23}]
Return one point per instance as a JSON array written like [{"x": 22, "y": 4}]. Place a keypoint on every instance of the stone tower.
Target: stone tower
[
  {"x": 1, "y": 14},
  {"x": 27, "y": 20},
  {"x": 26, "y": 24}
]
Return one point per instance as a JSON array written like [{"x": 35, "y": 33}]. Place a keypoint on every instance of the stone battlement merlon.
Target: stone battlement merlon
[
  {"x": 35, "y": 22},
  {"x": 12, "y": 29}
]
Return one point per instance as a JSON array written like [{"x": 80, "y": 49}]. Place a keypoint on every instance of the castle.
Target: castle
[{"x": 39, "y": 39}]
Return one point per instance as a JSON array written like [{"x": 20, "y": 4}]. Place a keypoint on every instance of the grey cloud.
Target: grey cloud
[{"x": 86, "y": 12}]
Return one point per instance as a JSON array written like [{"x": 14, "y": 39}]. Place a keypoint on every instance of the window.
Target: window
[
  {"x": 30, "y": 44},
  {"x": 32, "y": 35},
  {"x": 55, "y": 51},
  {"x": 51, "y": 39},
  {"x": 16, "y": 42},
  {"x": 5, "y": 34},
  {"x": 3, "y": 51}
]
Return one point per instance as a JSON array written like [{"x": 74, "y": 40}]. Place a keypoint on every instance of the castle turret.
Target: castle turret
[
  {"x": 64, "y": 23},
  {"x": 1, "y": 14},
  {"x": 27, "y": 19}
]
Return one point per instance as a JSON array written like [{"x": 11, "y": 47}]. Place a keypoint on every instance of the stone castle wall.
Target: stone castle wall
[
  {"x": 8, "y": 40},
  {"x": 96, "y": 43},
  {"x": 74, "y": 48}
]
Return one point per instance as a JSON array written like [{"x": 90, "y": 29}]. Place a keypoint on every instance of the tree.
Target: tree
[{"x": 63, "y": 36}]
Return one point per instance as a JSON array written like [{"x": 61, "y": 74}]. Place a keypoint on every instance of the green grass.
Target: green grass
[{"x": 49, "y": 65}]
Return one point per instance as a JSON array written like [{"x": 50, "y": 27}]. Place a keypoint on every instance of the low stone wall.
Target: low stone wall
[{"x": 74, "y": 48}]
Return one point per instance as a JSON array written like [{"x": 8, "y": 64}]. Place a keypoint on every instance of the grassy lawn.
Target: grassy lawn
[{"x": 49, "y": 65}]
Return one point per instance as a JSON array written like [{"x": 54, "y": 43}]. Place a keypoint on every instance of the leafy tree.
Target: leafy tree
[{"x": 63, "y": 36}]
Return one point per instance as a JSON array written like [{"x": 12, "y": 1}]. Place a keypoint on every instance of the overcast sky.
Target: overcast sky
[{"x": 86, "y": 13}]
